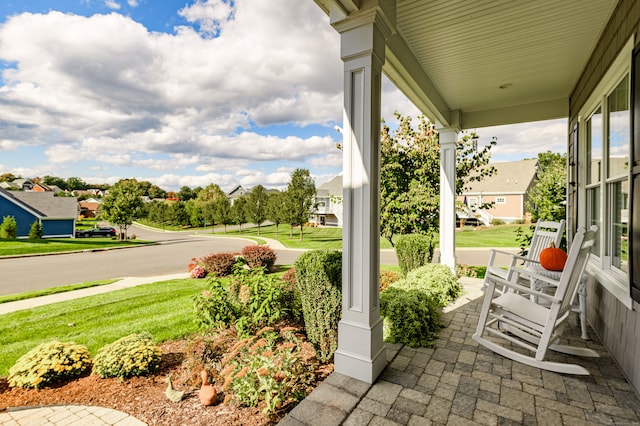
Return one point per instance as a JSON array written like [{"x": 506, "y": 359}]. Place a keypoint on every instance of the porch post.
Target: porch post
[
  {"x": 448, "y": 139},
  {"x": 361, "y": 353}
]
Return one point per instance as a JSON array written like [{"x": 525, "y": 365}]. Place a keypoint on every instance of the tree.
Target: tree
[
  {"x": 186, "y": 193},
  {"x": 178, "y": 213},
  {"x": 8, "y": 227},
  {"x": 8, "y": 177},
  {"x": 122, "y": 206},
  {"x": 257, "y": 205},
  {"x": 548, "y": 197},
  {"x": 76, "y": 183},
  {"x": 209, "y": 212},
  {"x": 300, "y": 198},
  {"x": 195, "y": 212},
  {"x": 239, "y": 211},
  {"x": 35, "y": 232},
  {"x": 277, "y": 208},
  {"x": 210, "y": 192},
  {"x": 222, "y": 212},
  {"x": 410, "y": 175}
]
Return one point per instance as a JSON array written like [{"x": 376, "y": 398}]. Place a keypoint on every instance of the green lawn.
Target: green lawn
[
  {"x": 163, "y": 309},
  {"x": 52, "y": 290},
  {"x": 11, "y": 247},
  {"x": 331, "y": 238}
]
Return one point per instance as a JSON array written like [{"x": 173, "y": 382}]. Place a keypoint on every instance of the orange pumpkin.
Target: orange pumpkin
[{"x": 553, "y": 258}]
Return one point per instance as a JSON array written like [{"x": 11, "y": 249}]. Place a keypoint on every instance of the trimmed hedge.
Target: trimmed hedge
[
  {"x": 319, "y": 281},
  {"x": 436, "y": 280},
  {"x": 259, "y": 256},
  {"x": 218, "y": 264},
  {"x": 413, "y": 251}
]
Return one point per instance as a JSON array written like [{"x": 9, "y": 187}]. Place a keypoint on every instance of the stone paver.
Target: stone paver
[
  {"x": 60, "y": 415},
  {"x": 461, "y": 383}
]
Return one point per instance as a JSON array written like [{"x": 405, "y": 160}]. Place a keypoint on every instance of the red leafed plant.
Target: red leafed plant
[{"x": 259, "y": 256}]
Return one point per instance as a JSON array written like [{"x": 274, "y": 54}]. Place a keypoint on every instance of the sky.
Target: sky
[{"x": 189, "y": 92}]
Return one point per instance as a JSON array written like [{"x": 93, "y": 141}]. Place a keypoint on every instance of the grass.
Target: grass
[
  {"x": 164, "y": 309},
  {"x": 13, "y": 247},
  {"x": 52, "y": 290},
  {"x": 331, "y": 238}
]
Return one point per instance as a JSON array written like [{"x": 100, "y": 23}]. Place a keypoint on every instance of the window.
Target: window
[
  {"x": 501, "y": 200},
  {"x": 606, "y": 141}
]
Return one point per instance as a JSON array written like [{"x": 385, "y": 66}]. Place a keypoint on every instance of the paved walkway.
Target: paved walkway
[
  {"x": 461, "y": 383},
  {"x": 67, "y": 415}
]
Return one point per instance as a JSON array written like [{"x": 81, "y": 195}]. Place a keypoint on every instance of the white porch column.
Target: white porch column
[
  {"x": 361, "y": 353},
  {"x": 448, "y": 138}
]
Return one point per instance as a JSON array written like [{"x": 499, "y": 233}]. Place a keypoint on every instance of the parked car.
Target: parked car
[{"x": 105, "y": 231}]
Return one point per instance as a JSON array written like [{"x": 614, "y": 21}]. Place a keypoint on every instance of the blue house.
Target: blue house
[{"x": 57, "y": 215}]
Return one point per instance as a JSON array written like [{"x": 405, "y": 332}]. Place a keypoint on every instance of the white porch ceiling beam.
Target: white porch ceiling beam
[{"x": 557, "y": 108}]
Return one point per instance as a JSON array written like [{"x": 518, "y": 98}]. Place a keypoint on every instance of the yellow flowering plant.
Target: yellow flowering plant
[
  {"x": 133, "y": 355},
  {"x": 49, "y": 363}
]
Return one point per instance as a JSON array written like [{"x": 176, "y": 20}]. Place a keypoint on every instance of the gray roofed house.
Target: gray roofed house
[
  {"x": 507, "y": 189},
  {"x": 57, "y": 215}
]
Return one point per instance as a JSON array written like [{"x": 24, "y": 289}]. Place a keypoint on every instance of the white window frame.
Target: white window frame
[{"x": 600, "y": 266}]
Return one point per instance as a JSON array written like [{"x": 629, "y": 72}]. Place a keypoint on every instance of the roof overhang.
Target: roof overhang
[{"x": 472, "y": 64}]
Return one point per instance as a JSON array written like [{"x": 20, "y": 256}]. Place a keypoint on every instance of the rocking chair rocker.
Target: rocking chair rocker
[{"x": 512, "y": 315}]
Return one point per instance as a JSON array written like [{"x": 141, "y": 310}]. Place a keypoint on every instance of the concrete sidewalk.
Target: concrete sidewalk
[{"x": 91, "y": 291}]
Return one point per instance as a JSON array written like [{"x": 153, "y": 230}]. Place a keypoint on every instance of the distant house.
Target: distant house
[
  {"x": 236, "y": 193},
  {"x": 329, "y": 203},
  {"x": 18, "y": 185},
  {"x": 57, "y": 215},
  {"x": 507, "y": 189},
  {"x": 90, "y": 207}
]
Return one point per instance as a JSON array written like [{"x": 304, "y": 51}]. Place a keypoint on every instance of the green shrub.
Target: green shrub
[
  {"x": 495, "y": 221},
  {"x": 218, "y": 264},
  {"x": 249, "y": 299},
  {"x": 258, "y": 256},
  {"x": 35, "y": 233},
  {"x": 434, "y": 279},
  {"x": 410, "y": 317},
  {"x": 133, "y": 355},
  {"x": 319, "y": 281},
  {"x": 9, "y": 227},
  {"x": 49, "y": 363},
  {"x": 275, "y": 367},
  {"x": 413, "y": 251}
]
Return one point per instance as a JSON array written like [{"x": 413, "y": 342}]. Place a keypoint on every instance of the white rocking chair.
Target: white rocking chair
[
  {"x": 545, "y": 233},
  {"x": 514, "y": 317}
]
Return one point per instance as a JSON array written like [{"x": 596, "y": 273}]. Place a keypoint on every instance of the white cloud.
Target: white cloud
[
  {"x": 111, "y": 4},
  {"x": 104, "y": 87},
  {"x": 132, "y": 3}
]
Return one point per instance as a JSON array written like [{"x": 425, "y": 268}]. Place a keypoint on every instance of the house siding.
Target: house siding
[
  {"x": 617, "y": 326},
  {"x": 23, "y": 218}
]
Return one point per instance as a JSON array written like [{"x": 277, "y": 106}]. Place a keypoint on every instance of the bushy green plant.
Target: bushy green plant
[
  {"x": 259, "y": 256},
  {"x": 319, "y": 280},
  {"x": 410, "y": 316},
  {"x": 133, "y": 355},
  {"x": 9, "y": 227},
  {"x": 496, "y": 221},
  {"x": 218, "y": 264},
  {"x": 413, "y": 251},
  {"x": 275, "y": 367},
  {"x": 35, "y": 232},
  {"x": 49, "y": 363},
  {"x": 434, "y": 279},
  {"x": 248, "y": 299}
]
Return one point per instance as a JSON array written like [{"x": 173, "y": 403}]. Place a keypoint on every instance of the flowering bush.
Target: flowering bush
[
  {"x": 218, "y": 264},
  {"x": 49, "y": 363},
  {"x": 273, "y": 366},
  {"x": 198, "y": 272},
  {"x": 259, "y": 256},
  {"x": 133, "y": 355},
  {"x": 192, "y": 264}
]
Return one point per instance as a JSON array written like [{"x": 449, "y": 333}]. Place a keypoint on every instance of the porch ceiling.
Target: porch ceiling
[{"x": 451, "y": 56}]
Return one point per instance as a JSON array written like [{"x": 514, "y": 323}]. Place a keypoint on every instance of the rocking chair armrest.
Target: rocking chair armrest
[{"x": 513, "y": 285}]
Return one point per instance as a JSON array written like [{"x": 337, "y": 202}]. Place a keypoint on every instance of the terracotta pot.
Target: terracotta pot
[{"x": 207, "y": 394}]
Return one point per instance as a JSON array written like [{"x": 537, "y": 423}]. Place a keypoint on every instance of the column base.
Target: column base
[{"x": 361, "y": 353}]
